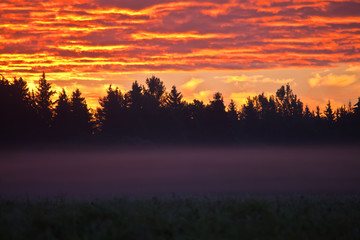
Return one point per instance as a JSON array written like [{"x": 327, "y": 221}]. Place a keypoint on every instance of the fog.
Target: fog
[{"x": 138, "y": 171}]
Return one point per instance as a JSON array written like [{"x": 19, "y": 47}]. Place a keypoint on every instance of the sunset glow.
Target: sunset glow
[{"x": 240, "y": 48}]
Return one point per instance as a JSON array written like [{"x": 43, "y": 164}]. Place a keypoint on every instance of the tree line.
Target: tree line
[{"x": 147, "y": 112}]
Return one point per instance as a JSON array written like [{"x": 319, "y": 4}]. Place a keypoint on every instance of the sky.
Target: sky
[{"x": 238, "y": 47}]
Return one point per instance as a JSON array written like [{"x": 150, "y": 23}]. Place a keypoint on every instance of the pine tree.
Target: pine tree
[
  {"x": 81, "y": 116},
  {"x": 111, "y": 112},
  {"x": 135, "y": 97},
  {"x": 63, "y": 116},
  {"x": 317, "y": 114},
  {"x": 329, "y": 114},
  {"x": 44, "y": 104},
  {"x": 307, "y": 114},
  {"x": 357, "y": 108},
  {"x": 232, "y": 111},
  {"x": 174, "y": 99},
  {"x": 217, "y": 104},
  {"x": 249, "y": 112}
]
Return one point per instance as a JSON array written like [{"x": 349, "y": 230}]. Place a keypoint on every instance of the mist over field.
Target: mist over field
[{"x": 180, "y": 170}]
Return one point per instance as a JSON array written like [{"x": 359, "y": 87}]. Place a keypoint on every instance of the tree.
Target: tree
[
  {"x": 135, "y": 97},
  {"x": 20, "y": 90},
  {"x": 357, "y": 108},
  {"x": 317, "y": 114},
  {"x": 195, "y": 110},
  {"x": 155, "y": 88},
  {"x": 81, "y": 116},
  {"x": 111, "y": 112},
  {"x": 329, "y": 114},
  {"x": 289, "y": 105},
  {"x": 217, "y": 104},
  {"x": 232, "y": 111},
  {"x": 249, "y": 112},
  {"x": 18, "y": 118},
  {"x": 44, "y": 104},
  {"x": 174, "y": 99},
  {"x": 63, "y": 116},
  {"x": 307, "y": 114}
]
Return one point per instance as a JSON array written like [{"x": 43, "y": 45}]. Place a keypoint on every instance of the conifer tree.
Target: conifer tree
[
  {"x": 329, "y": 114},
  {"x": 174, "y": 99},
  {"x": 111, "y": 112},
  {"x": 63, "y": 116},
  {"x": 135, "y": 97},
  {"x": 81, "y": 116},
  {"x": 232, "y": 111},
  {"x": 307, "y": 114},
  {"x": 44, "y": 104},
  {"x": 357, "y": 108}
]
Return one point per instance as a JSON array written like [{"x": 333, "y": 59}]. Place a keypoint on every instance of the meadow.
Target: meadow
[
  {"x": 311, "y": 217},
  {"x": 201, "y": 192}
]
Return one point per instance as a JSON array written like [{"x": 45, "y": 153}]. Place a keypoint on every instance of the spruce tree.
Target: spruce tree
[
  {"x": 329, "y": 114},
  {"x": 81, "y": 116},
  {"x": 63, "y": 116},
  {"x": 232, "y": 111},
  {"x": 174, "y": 99},
  {"x": 44, "y": 104}
]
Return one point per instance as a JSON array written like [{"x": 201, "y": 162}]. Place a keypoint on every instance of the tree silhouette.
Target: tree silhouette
[
  {"x": 232, "y": 111},
  {"x": 249, "y": 113},
  {"x": 155, "y": 88},
  {"x": 146, "y": 112},
  {"x": 307, "y": 114},
  {"x": 135, "y": 97},
  {"x": 81, "y": 116},
  {"x": 174, "y": 99},
  {"x": 63, "y": 118},
  {"x": 216, "y": 115},
  {"x": 317, "y": 114},
  {"x": 289, "y": 105},
  {"x": 111, "y": 112},
  {"x": 44, "y": 104},
  {"x": 357, "y": 108},
  {"x": 18, "y": 118},
  {"x": 329, "y": 114}
]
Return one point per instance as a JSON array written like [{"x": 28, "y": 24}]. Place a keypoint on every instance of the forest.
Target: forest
[{"x": 148, "y": 112}]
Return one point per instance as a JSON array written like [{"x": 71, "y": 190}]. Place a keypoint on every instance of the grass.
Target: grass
[{"x": 182, "y": 218}]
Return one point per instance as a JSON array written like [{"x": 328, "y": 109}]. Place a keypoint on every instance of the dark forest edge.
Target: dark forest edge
[{"x": 146, "y": 113}]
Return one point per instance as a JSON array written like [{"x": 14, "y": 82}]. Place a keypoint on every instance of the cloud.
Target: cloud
[
  {"x": 188, "y": 35},
  {"x": 240, "y": 98},
  {"x": 353, "y": 68},
  {"x": 192, "y": 84},
  {"x": 332, "y": 80},
  {"x": 254, "y": 79},
  {"x": 204, "y": 96}
]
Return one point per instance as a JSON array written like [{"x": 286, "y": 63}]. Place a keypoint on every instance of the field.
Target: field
[
  {"x": 183, "y": 218},
  {"x": 249, "y": 192}
]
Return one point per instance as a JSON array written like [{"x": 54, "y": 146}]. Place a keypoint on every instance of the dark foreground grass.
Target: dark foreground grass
[{"x": 183, "y": 218}]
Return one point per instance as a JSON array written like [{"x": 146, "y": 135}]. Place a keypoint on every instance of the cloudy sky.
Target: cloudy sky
[{"x": 238, "y": 47}]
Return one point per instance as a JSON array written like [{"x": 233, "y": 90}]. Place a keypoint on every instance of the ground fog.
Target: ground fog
[{"x": 138, "y": 171}]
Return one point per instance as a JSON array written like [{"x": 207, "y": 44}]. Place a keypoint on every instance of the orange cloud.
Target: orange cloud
[
  {"x": 192, "y": 84},
  {"x": 240, "y": 98},
  {"x": 254, "y": 79},
  {"x": 332, "y": 80}
]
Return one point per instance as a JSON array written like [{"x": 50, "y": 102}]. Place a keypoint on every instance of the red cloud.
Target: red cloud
[{"x": 167, "y": 35}]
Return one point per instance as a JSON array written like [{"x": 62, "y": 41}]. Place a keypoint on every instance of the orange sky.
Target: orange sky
[{"x": 240, "y": 48}]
